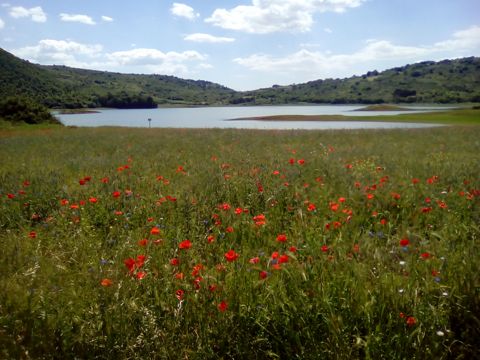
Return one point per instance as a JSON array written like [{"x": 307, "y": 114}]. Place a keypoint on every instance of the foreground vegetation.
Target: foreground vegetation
[{"x": 164, "y": 243}]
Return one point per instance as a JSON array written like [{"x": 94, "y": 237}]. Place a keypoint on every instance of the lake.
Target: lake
[{"x": 217, "y": 117}]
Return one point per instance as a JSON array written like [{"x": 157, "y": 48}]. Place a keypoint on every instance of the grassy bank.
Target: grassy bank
[
  {"x": 301, "y": 244},
  {"x": 453, "y": 117}
]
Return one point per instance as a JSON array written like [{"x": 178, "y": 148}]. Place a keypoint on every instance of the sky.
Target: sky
[{"x": 241, "y": 44}]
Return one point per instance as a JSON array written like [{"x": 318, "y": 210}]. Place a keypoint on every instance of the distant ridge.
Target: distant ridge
[{"x": 447, "y": 81}]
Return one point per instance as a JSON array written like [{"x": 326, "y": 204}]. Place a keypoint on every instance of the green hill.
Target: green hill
[
  {"x": 65, "y": 87},
  {"x": 447, "y": 81}
]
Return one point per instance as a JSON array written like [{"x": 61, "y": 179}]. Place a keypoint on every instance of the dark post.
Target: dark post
[{"x": 149, "y": 122}]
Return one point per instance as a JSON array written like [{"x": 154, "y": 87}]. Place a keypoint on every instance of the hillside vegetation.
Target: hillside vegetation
[
  {"x": 447, "y": 81},
  {"x": 65, "y": 87}
]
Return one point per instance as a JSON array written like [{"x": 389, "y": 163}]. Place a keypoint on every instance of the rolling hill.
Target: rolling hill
[{"x": 447, "y": 81}]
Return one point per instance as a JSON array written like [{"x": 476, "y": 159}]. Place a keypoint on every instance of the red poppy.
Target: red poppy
[
  {"x": 106, "y": 282},
  {"x": 283, "y": 259},
  {"x": 11, "y": 196},
  {"x": 425, "y": 255},
  {"x": 224, "y": 207},
  {"x": 334, "y": 206},
  {"x": 292, "y": 249},
  {"x": 411, "y": 321},
  {"x": 179, "y": 294},
  {"x": 404, "y": 242},
  {"x": 143, "y": 242},
  {"x": 254, "y": 260},
  {"x": 116, "y": 194},
  {"x": 93, "y": 200},
  {"x": 185, "y": 245},
  {"x": 174, "y": 262},
  {"x": 140, "y": 275},
  {"x": 324, "y": 248},
  {"x": 275, "y": 255},
  {"x": 210, "y": 239},
  {"x": 179, "y": 276},
  {"x": 263, "y": 274},
  {"x": 291, "y": 161},
  {"x": 231, "y": 256},
  {"x": 155, "y": 231},
  {"x": 301, "y": 162},
  {"x": 229, "y": 229},
  {"x": 130, "y": 264},
  {"x": 259, "y": 219},
  {"x": 32, "y": 234},
  {"x": 311, "y": 207},
  {"x": 223, "y": 306},
  {"x": 104, "y": 180},
  {"x": 281, "y": 238}
]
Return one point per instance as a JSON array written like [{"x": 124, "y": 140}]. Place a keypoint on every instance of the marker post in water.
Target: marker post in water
[{"x": 149, "y": 122}]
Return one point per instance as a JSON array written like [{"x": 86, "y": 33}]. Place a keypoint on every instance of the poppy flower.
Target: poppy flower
[
  {"x": 334, "y": 206},
  {"x": 93, "y": 200},
  {"x": 155, "y": 231},
  {"x": 140, "y": 275},
  {"x": 425, "y": 255},
  {"x": 174, "y": 262},
  {"x": 11, "y": 196},
  {"x": 259, "y": 220},
  {"x": 179, "y": 276},
  {"x": 116, "y": 194},
  {"x": 281, "y": 238},
  {"x": 263, "y": 274},
  {"x": 254, "y": 260},
  {"x": 300, "y": 161},
  {"x": 179, "y": 294},
  {"x": 223, "y": 306},
  {"x": 210, "y": 239},
  {"x": 411, "y": 321},
  {"x": 311, "y": 207},
  {"x": 404, "y": 242},
  {"x": 292, "y": 249},
  {"x": 32, "y": 234},
  {"x": 130, "y": 264},
  {"x": 231, "y": 256},
  {"x": 324, "y": 248},
  {"x": 283, "y": 259},
  {"x": 143, "y": 242},
  {"x": 229, "y": 229},
  {"x": 106, "y": 282},
  {"x": 185, "y": 245}
]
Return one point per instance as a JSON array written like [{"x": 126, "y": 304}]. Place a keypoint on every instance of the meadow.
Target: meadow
[{"x": 239, "y": 244}]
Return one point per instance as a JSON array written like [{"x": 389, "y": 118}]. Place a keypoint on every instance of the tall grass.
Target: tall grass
[{"x": 380, "y": 257}]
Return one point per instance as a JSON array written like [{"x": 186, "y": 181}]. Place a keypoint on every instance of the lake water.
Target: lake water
[{"x": 217, "y": 117}]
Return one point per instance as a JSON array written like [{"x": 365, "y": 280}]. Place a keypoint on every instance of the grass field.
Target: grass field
[{"x": 239, "y": 244}]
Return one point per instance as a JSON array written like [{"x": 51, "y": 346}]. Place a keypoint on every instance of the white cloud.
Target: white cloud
[
  {"x": 2, "y": 24},
  {"x": 84, "y": 19},
  {"x": 268, "y": 16},
  {"x": 89, "y": 56},
  {"x": 59, "y": 52},
  {"x": 183, "y": 10},
  {"x": 207, "y": 38},
  {"x": 306, "y": 64},
  {"x": 35, "y": 13},
  {"x": 107, "y": 18}
]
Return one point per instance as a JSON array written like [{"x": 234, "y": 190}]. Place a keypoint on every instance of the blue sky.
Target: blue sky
[{"x": 242, "y": 44}]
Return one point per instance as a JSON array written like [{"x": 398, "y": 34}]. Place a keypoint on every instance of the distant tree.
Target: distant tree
[{"x": 24, "y": 110}]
